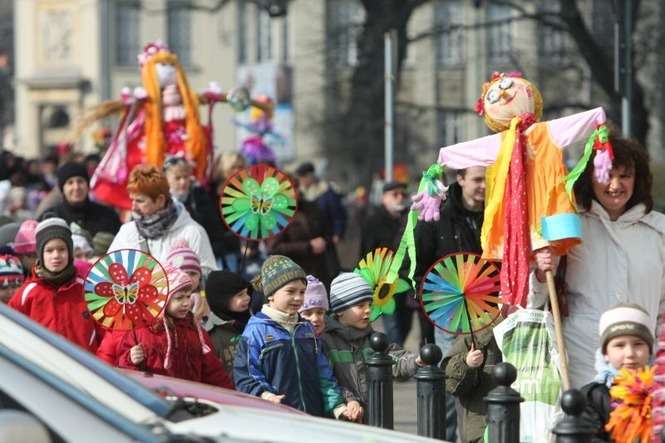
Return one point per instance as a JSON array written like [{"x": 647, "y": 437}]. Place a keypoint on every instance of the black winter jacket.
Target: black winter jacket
[
  {"x": 91, "y": 216},
  {"x": 597, "y": 411},
  {"x": 458, "y": 230}
]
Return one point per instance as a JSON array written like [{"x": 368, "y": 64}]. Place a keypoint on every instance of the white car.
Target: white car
[{"x": 53, "y": 391}]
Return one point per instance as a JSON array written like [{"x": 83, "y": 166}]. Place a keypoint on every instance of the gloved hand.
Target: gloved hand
[{"x": 427, "y": 206}]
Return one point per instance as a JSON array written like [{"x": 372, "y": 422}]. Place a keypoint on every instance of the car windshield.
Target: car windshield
[{"x": 78, "y": 367}]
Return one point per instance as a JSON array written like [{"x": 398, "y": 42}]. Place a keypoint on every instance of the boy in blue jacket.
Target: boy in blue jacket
[{"x": 279, "y": 358}]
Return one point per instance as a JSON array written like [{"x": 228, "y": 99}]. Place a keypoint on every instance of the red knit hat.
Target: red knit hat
[
  {"x": 25, "y": 241},
  {"x": 182, "y": 256}
]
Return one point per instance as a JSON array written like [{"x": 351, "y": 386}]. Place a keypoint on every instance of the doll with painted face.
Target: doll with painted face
[{"x": 528, "y": 204}]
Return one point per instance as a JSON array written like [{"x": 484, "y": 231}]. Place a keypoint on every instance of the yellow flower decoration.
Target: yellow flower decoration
[{"x": 631, "y": 419}]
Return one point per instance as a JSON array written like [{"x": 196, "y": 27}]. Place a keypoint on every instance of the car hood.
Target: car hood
[
  {"x": 164, "y": 385},
  {"x": 280, "y": 427}
]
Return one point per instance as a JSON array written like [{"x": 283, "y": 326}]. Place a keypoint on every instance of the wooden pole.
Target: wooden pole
[{"x": 561, "y": 345}]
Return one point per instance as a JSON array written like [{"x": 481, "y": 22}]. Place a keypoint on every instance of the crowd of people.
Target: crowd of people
[{"x": 283, "y": 320}]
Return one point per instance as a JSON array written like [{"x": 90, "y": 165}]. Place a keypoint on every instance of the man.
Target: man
[
  {"x": 458, "y": 230},
  {"x": 159, "y": 220},
  {"x": 383, "y": 229},
  {"x": 384, "y": 226},
  {"x": 197, "y": 202},
  {"x": 76, "y": 206}
]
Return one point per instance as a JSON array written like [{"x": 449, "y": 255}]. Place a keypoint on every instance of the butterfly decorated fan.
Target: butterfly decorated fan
[
  {"x": 126, "y": 289},
  {"x": 460, "y": 293},
  {"x": 258, "y": 202}
]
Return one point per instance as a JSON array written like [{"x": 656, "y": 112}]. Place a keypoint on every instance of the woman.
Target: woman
[{"x": 621, "y": 258}]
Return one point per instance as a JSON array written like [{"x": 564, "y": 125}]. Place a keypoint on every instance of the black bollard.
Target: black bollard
[
  {"x": 380, "y": 379},
  {"x": 431, "y": 402},
  {"x": 503, "y": 406},
  {"x": 573, "y": 428}
]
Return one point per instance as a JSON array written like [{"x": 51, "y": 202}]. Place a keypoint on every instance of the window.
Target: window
[
  {"x": 552, "y": 40},
  {"x": 263, "y": 35},
  {"x": 450, "y": 44},
  {"x": 449, "y": 127},
  {"x": 179, "y": 30},
  {"x": 347, "y": 17},
  {"x": 128, "y": 41},
  {"x": 499, "y": 34},
  {"x": 242, "y": 32}
]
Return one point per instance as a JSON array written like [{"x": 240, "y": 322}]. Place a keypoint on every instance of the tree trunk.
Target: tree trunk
[{"x": 363, "y": 129}]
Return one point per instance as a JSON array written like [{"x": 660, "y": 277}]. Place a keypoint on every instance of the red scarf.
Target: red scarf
[{"x": 517, "y": 241}]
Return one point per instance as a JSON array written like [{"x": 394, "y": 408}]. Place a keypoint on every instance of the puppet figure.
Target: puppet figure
[{"x": 528, "y": 202}]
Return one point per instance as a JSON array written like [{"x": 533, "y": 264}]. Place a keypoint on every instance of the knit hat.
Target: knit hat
[
  {"x": 348, "y": 289},
  {"x": 221, "y": 286},
  {"x": 25, "y": 241},
  {"x": 8, "y": 232},
  {"x": 181, "y": 256},
  {"x": 11, "y": 272},
  {"x": 625, "y": 319},
  {"x": 277, "y": 271},
  {"x": 69, "y": 170},
  {"x": 315, "y": 295},
  {"x": 81, "y": 239},
  {"x": 101, "y": 243},
  {"x": 53, "y": 228},
  {"x": 178, "y": 280}
]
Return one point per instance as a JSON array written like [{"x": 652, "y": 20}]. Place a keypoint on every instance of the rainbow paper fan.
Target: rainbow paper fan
[
  {"x": 126, "y": 289},
  {"x": 258, "y": 202},
  {"x": 375, "y": 268},
  {"x": 460, "y": 293}
]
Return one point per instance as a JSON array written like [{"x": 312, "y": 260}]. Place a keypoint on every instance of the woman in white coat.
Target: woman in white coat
[
  {"x": 158, "y": 220},
  {"x": 621, "y": 258}
]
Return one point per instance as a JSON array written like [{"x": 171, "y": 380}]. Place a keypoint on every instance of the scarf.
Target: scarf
[
  {"x": 156, "y": 225},
  {"x": 55, "y": 278},
  {"x": 287, "y": 321},
  {"x": 606, "y": 372}
]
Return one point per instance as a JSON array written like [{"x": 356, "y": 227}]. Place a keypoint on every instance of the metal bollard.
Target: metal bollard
[
  {"x": 573, "y": 428},
  {"x": 380, "y": 380},
  {"x": 431, "y": 402},
  {"x": 503, "y": 406}
]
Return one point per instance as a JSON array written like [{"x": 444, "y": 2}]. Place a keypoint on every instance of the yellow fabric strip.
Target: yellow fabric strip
[{"x": 495, "y": 179}]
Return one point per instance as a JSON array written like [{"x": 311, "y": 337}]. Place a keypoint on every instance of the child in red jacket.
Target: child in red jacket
[
  {"x": 175, "y": 346},
  {"x": 53, "y": 295}
]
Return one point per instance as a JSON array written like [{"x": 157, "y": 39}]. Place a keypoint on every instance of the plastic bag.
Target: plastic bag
[{"x": 526, "y": 340}]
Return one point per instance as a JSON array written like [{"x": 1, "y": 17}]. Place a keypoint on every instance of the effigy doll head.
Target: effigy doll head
[{"x": 508, "y": 95}]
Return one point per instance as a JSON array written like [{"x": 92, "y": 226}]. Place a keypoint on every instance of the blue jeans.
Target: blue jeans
[{"x": 445, "y": 341}]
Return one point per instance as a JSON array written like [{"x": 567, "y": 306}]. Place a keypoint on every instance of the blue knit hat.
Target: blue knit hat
[{"x": 348, "y": 289}]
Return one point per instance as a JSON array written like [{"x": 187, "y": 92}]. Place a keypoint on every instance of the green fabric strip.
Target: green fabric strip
[
  {"x": 342, "y": 357},
  {"x": 602, "y": 134}
]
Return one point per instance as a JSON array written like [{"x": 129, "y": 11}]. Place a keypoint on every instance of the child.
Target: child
[
  {"x": 11, "y": 276},
  {"x": 316, "y": 304},
  {"x": 279, "y": 357},
  {"x": 347, "y": 333},
  {"x": 181, "y": 256},
  {"x": 468, "y": 370},
  {"x": 25, "y": 245},
  {"x": 174, "y": 346},
  {"x": 228, "y": 295},
  {"x": 53, "y": 295},
  {"x": 626, "y": 342}
]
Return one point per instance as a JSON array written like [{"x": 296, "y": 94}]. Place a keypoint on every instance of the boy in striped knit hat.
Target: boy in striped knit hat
[{"x": 346, "y": 338}]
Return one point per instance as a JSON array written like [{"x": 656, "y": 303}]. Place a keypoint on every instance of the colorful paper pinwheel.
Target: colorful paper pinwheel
[
  {"x": 460, "y": 293},
  {"x": 126, "y": 289},
  {"x": 258, "y": 202},
  {"x": 375, "y": 268}
]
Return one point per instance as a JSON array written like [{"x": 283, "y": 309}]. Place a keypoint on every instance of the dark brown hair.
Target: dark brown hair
[{"x": 630, "y": 154}]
